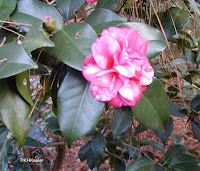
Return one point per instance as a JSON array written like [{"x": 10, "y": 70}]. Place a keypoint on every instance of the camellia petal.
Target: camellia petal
[
  {"x": 118, "y": 69},
  {"x": 104, "y": 50},
  {"x": 90, "y": 69}
]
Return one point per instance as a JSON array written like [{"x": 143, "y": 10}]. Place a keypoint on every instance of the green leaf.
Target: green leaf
[
  {"x": 191, "y": 55},
  {"x": 36, "y": 138},
  {"x": 4, "y": 157},
  {"x": 52, "y": 123},
  {"x": 86, "y": 152},
  {"x": 164, "y": 135},
  {"x": 109, "y": 4},
  {"x": 82, "y": 154},
  {"x": 101, "y": 19},
  {"x": 6, "y": 8},
  {"x": 15, "y": 59},
  {"x": 68, "y": 7},
  {"x": 175, "y": 110},
  {"x": 36, "y": 38},
  {"x": 196, "y": 130},
  {"x": 180, "y": 161},
  {"x": 14, "y": 111},
  {"x": 122, "y": 119},
  {"x": 21, "y": 166},
  {"x": 152, "y": 110},
  {"x": 176, "y": 139},
  {"x": 156, "y": 39},
  {"x": 153, "y": 144},
  {"x": 195, "y": 103},
  {"x": 83, "y": 111},
  {"x": 119, "y": 165},
  {"x": 98, "y": 145},
  {"x": 23, "y": 86},
  {"x": 141, "y": 164},
  {"x": 174, "y": 20},
  {"x": 73, "y": 43},
  {"x": 27, "y": 20},
  {"x": 194, "y": 6},
  {"x": 39, "y": 10},
  {"x": 174, "y": 151}
]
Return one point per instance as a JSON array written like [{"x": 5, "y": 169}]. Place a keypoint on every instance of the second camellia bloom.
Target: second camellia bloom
[{"x": 118, "y": 68}]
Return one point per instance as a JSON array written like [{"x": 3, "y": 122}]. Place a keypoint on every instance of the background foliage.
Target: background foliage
[{"x": 44, "y": 97}]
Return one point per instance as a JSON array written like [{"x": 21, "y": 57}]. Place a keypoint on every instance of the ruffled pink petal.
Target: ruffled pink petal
[
  {"x": 130, "y": 91},
  {"x": 101, "y": 93},
  {"x": 147, "y": 74},
  {"x": 127, "y": 69},
  {"x": 104, "y": 50},
  {"x": 90, "y": 69},
  {"x": 104, "y": 78},
  {"x": 116, "y": 101},
  {"x": 118, "y": 34}
]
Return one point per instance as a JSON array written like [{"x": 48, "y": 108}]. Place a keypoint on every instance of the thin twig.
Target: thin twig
[
  {"x": 12, "y": 31},
  {"x": 3, "y": 60},
  {"x": 22, "y": 24}
]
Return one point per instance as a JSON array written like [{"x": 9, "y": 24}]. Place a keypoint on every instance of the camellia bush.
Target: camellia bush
[{"x": 103, "y": 72}]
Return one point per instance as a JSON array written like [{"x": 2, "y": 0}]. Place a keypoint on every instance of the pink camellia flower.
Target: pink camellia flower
[
  {"x": 118, "y": 69},
  {"x": 91, "y": 1}
]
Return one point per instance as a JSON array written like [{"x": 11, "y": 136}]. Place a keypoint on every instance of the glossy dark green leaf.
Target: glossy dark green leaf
[
  {"x": 196, "y": 130},
  {"x": 6, "y": 8},
  {"x": 36, "y": 38},
  {"x": 3, "y": 135},
  {"x": 156, "y": 39},
  {"x": 14, "y": 61},
  {"x": 37, "y": 134},
  {"x": 194, "y": 6},
  {"x": 32, "y": 143},
  {"x": 52, "y": 123},
  {"x": 195, "y": 103},
  {"x": 176, "y": 139},
  {"x": 164, "y": 135},
  {"x": 73, "y": 43},
  {"x": 98, "y": 145},
  {"x": 78, "y": 111},
  {"x": 141, "y": 164},
  {"x": 68, "y": 7},
  {"x": 82, "y": 154},
  {"x": 180, "y": 161},
  {"x": 140, "y": 128},
  {"x": 14, "y": 111},
  {"x": 122, "y": 119},
  {"x": 26, "y": 20},
  {"x": 109, "y": 4},
  {"x": 4, "y": 157},
  {"x": 152, "y": 110},
  {"x": 119, "y": 165},
  {"x": 174, "y": 20},
  {"x": 175, "y": 110},
  {"x": 39, "y": 10},
  {"x": 101, "y": 19},
  {"x": 153, "y": 144},
  {"x": 174, "y": 151},
  {"x": 23, "y": 86},
  {"x": 22, "y": 166},
  {"x": 191, "y": 55},
  {"x": 92, "y": 159}
]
